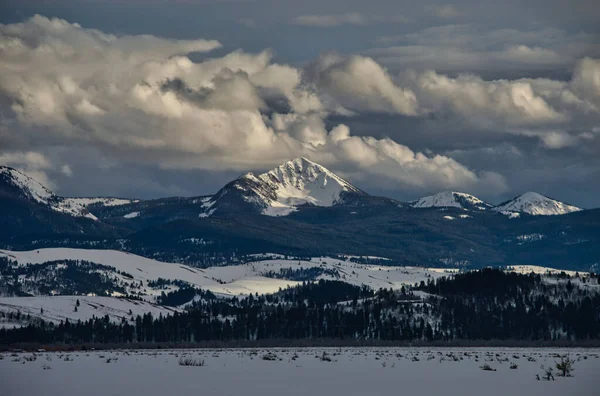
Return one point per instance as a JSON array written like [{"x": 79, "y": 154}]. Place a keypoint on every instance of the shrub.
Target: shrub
[
  {"x": 514, "y": 366},
  {"x": 487, "y": 367},
  {"x": 269, "y": 356},
  {"x": 325, "y": 357},
  {"x": 565, "y": 366},
  {"x": 548, "y": 376},
  {"x": 191, "y": 362}
]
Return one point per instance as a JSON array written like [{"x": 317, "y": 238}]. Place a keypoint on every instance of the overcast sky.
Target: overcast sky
[{"x": 157, "y": 98}]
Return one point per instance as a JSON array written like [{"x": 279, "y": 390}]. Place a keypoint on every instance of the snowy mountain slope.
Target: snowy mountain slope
[
  {"x": 101, "y": 201},
  {"x": 33, "y": 191},
  {"x": 535, "y": 204},
  {"x": 282, "y": 190},
  {"x": 451, "y": 199},
  {"x": 59, "y": 308},
  {"x": 230, "y": 280}
]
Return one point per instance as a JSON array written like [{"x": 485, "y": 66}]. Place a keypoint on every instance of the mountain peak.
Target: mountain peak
[
  {"x": 27, "y": 186},
  {"x": 298, "y": 182},
  {"x": 34, "y": 191},
  {"x": 537, "y": 204},
  {"x": 451, "y": 199}
]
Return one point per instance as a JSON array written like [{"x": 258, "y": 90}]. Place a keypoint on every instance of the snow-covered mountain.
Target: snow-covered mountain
[
  {"x": 535, "y": 204},
  {"x": 451, "y": 199},
  {"x": 101, "y": 201},
  {"x": 33, "y": 191},
  {"x": 282, "y": 190}
]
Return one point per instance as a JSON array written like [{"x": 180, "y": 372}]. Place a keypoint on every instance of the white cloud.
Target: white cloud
[
  {"x": 360, "y": 84},
  {"x": 487, "y": 102},
  {"x": 586, "y": 82},
  {"x": 154, "y": 105}
]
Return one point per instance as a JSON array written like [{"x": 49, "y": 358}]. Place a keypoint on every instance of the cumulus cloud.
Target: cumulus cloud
[
  {"x": 384, "y": 158},
  {"x": 586, "y": 82},
  {"x": 154, "y": 105},
  {"x": 359, "y": 83},
  {"x": 240, "y": 111},
  {"x": 483, "y": 102}
]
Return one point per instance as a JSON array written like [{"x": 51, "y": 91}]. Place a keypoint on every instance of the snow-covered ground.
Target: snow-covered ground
[
  {"x": 350, "y": 371},
  {"x": 59, "y": 308},
  {"x": 233, "y": 280},
  {"x": 103, "y": 201},
  {"x": 238, "y": 280},
  {"x": 527, "y": 269}
]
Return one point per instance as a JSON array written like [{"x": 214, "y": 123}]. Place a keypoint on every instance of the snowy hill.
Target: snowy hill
[
  {"x": 535, "y": 204},
  {"x": 295, "y": 183},
  {"x": 59, "y": 308},
  {"x": 31, "y": 190},
  {"x": 262, "y": 276},
  {"x": 451, "y": 199}
]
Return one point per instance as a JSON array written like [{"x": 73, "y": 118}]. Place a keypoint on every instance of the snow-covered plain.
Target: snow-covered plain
[{"x": 351, "y": 371}]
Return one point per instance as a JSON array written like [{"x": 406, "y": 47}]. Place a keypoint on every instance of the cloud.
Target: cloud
[
  {"x": 586, "y": 82},
  {"x": 386, "y": 159},
  {"x": 157, "y": 106},
  {"x": 461, "y": 48},
  {"x": 360, "y": 84},
  {"x": 486, "y": 102},
  {"x": 239, "y": 111},
  {"x": 444, "y": 11},
  {"x": 349, "y": 18}
]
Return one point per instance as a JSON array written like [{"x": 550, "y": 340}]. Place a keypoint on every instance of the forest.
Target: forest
[{"x": 488, "y": 304}]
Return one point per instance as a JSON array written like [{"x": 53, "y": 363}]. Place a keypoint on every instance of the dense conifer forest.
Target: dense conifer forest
[{"x": 488, "y": 304}]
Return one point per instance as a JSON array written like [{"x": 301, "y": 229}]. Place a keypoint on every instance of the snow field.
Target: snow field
[{"x": 294, "y": 371}]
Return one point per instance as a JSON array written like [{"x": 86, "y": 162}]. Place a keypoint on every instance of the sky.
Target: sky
[{"x": 158, "y": 98}]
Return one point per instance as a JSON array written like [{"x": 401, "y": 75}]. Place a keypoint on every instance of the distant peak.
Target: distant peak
[
  {"x": 34, "y": 191},
  {"x": 292, "y": 184},
  {"x": 537, "y": 204},
  {"x": 451, "y": 199}
]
